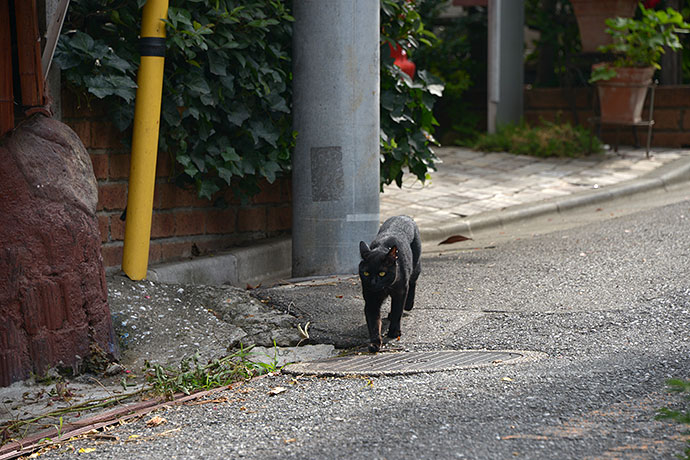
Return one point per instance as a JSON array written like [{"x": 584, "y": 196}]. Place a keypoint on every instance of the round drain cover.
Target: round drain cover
[{"x": 408, "y": 363}]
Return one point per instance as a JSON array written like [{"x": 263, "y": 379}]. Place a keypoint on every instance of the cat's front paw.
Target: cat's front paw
[{"x": 374, "y": 347}]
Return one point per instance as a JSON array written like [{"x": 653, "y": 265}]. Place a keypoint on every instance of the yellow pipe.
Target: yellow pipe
[{"x": 147, "y": 109}]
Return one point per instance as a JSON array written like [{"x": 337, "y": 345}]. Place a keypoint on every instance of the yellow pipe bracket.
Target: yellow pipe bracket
[{"x": 147, "y": 110}]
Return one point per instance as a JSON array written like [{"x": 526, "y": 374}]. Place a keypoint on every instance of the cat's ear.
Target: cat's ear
[
  {"x": 392, "y": 255},
  {"x": 363, "y": 249}
]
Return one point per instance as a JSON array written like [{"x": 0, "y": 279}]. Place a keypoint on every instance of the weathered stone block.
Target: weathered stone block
[{"x": 53, "y": 297}]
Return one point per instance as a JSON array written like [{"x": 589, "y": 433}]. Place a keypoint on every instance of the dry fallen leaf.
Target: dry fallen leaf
[
  {"x": 276, "y": 391},
  {"x": 507, "y": 379},
  {"x": 155, "y": 421},
  {"x": 86, "y": 450},
  {"x": 291, "y": 440},
  {"x": 454, "y": 239}
]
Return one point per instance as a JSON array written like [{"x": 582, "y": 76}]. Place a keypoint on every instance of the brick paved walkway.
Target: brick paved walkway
[{"x": 469, "y": 183}]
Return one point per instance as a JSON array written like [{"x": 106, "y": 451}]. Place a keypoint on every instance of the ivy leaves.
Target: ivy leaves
[
  {"x": 407, "y": 121},
  {"x": 227, "y": 72},
  {"x": 226, "y": 107}
]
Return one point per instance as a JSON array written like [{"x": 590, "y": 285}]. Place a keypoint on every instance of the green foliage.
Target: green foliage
[
  {"x": 407, "y": 120},
  {"x": 95, "y": 61},
  {"x": 558, "y": 44},
  {"x": 641, "y": 42},
  {"x": 458, "y": 57},
  {"x": 227, "y": 101},
  {"x": 193, "y": 376},
  {"x": 548, "y": 140},
  {"x": 226, "y": 96},
  {"x": 679, "y": 416}
]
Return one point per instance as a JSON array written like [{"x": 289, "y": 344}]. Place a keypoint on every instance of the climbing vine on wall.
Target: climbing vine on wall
[{"x": 226, "y": 108}]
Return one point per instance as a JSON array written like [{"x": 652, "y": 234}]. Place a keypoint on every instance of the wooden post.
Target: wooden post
[
  {"x": 6, "y": 89},
  {"x": 29, "y": 53}
]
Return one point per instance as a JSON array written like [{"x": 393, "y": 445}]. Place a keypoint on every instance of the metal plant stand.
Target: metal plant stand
[{"x": 648, "y": 123}]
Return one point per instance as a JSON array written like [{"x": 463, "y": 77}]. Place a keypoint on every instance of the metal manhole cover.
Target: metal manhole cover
[{"x": 409, "y": 363}]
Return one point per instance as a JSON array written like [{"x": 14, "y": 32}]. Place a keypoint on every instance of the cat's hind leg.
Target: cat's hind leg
[{"x": 409, "y": 302}]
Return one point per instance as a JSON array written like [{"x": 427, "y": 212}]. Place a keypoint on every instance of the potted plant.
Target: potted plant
[
  {"x": 637, "y": 46},
  {"x": 591, "y": 16}
]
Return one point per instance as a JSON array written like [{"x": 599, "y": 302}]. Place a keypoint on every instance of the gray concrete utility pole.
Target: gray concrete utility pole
[
  {"x": 335, "y": 166},
  {"x": 506, "y": 73}
]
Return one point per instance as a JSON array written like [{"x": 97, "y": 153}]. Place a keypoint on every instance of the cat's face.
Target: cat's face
[{"x": 378, "y": 268}]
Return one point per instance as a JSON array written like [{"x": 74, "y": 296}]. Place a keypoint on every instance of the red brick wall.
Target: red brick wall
[
  {"x": 183, "y": 224},
  {"x": 671, "y": 112}
]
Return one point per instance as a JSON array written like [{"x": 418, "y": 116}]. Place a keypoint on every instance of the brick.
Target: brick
[
  {"x": 556, "y": 98},
  {"x": 74, "y": 106},
  {"x": 164, "y": 195},
  {"x": 68, "y": 102},
  {"x": 104, "y": 227},
  {"x": 286, "y": 184},
  {"x": 117, "y": 227},
  {"x": 175, "y": 250},
  {"x": 162, "y": 224},
  {"x": 155, "y": 252},
  {"x": 685, "y": 116},
  {"x": 221, "y": 221},
  {"x": 672, "y": 96},
  {"x": 164, "y": 165},
  {"x": 251, "y": 220},
  {"x": 665, "y": 119},
  {"x": 104, "y": 135},
  {"x": 112, "y": 254},
  {"x": 279, "y": 219},
  {"x": 99, "y": 162},
  {"x": 270, "y": 193},
  {"x": 118, "y": 166},
  {"x": 670, "y": 139},
  {"x": 190, "y": 222},
  {"x": 169, "y": 195},
  {"x": 231, "y": 197},
  {"x": 83, "y": 129},
  {"x": 112, "y": 196}
]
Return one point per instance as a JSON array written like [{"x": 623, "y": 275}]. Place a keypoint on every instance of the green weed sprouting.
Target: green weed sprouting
[
  {"x": 679, "y": 416},
  {"x": 546, "y": 140},
  {"x": 193, "y": 376}
]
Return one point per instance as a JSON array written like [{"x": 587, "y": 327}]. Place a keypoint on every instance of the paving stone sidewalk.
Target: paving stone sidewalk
[{"x": 468, "y": 183}]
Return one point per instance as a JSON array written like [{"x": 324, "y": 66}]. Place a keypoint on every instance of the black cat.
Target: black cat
[{"x": 390, "y": 267}]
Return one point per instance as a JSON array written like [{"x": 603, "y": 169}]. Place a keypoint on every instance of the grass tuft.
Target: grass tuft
[
  {"x": 193, "y": 376},
  {"x": 546, "y": 140}
]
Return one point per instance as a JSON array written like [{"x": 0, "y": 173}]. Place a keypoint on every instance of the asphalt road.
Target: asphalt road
[{"x": 608, "y": 303}]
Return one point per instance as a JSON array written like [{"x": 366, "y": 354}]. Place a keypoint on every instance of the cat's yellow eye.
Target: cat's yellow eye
[
  {"x": 366, "y": 273},
  {"x": 382, "y": 273}
]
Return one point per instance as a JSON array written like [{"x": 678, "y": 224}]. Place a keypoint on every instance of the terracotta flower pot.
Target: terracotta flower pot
[
  {"x": 621, "y": 98},
  {"x": 591, "y": 16}
]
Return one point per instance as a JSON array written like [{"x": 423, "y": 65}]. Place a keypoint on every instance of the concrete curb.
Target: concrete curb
[
  {"x": 238, "y": 267},
  {"x": 273, "y": 259}
]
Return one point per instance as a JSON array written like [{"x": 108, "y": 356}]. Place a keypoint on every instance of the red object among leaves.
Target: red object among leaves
[
  {"x": 651, "y": 3},
  {"x": 400, "y": 56}
]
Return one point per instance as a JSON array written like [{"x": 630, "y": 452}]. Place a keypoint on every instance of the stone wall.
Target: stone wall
[{"x": 183, "y": 225}]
